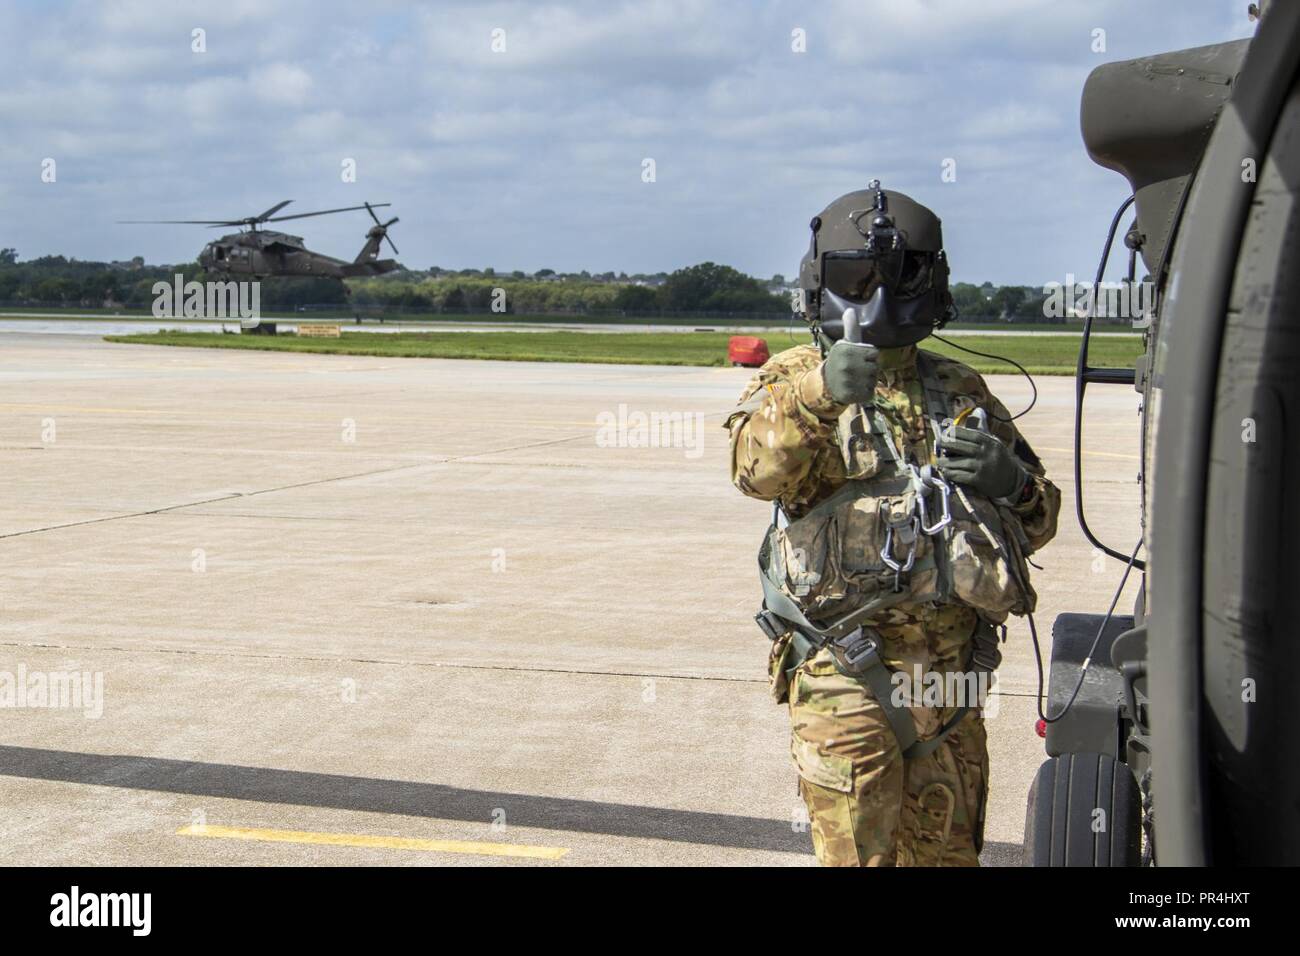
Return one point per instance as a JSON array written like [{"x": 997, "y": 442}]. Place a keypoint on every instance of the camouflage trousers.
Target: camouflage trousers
[{"x": 867, "y": 806}]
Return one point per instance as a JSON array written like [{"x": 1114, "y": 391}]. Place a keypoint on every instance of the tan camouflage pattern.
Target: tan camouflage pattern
[
  {"x": 978, "y": 577},
  {"x": 867, "y": 806},
  {"x": 783, "y": 450},
  {"x": 787, "y": 449}
]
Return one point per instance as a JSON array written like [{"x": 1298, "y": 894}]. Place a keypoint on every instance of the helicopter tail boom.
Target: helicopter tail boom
[{"x": 372, "y": 267}]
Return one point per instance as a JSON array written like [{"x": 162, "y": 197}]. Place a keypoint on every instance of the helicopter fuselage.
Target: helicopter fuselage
[{"x": 266, "y": 253}]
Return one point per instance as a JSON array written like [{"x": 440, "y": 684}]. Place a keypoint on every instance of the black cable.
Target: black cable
[
  {"x": 1001, "y": 358},
  {"x": 789, "y": 328},
  {"x": 1087, "y": 660},
  {"x": 1081, "y": 385}
]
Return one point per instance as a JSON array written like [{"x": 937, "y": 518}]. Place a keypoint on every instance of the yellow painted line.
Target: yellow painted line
[
  {"x": 374, "y": 842},
  {"x": 1088, "y": 453}
]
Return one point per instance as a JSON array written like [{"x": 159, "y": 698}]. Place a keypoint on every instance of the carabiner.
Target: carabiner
[
  {"x": 930, "y": 479},
  {"x": 887, "y": 550}
]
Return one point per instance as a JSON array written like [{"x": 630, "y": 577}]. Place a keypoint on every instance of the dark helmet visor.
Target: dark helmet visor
[
  {"x": 856, "y": 274},
  {"x": 850, "y": 275}
]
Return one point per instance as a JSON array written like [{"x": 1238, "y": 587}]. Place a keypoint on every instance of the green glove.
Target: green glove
[
  {"x": 850, "y": 372},
  {"x": 978, "y": 459}
]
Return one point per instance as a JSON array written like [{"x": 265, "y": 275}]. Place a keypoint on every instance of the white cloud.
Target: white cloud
[
  {"x": 1012, "y": 120},
  {"x": 532, "y": 157},
  {"x": 280, "y": 83}
]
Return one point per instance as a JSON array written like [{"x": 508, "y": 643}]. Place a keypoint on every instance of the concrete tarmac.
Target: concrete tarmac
[{"x": 349, "y": 610}]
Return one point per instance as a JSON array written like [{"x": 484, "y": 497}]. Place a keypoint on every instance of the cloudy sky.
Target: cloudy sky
[{"x": 532, "y": 156}]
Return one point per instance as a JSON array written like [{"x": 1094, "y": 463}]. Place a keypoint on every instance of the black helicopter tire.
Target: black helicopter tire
[{"x": 1084, "y": 810}]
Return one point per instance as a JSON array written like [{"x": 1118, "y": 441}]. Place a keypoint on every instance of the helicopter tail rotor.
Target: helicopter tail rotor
[{"x": 380, "y": 229}]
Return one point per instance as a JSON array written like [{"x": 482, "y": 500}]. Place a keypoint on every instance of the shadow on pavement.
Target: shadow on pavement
[{"x": 375, "y": 795}]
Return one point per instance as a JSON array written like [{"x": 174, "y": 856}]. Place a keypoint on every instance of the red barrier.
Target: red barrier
[{"x": 748, "y": 350}]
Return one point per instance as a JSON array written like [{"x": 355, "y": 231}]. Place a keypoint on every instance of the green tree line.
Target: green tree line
[{"x": 706, "y": 288}]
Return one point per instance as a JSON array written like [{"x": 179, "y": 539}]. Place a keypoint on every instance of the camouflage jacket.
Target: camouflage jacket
[{"x": 785, "y": 447}]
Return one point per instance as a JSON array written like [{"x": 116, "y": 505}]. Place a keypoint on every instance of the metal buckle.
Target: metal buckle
[
  {"x": 853, "y": 649},
  {"x": 887, "y": 550},
  {"x": 770, "y": 624}
]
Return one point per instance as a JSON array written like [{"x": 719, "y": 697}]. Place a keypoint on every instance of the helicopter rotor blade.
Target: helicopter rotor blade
[
  {"x": 253, "y": 221},
  {"x": 272, "y": 211},
  {"x": 323, "y": 212}
]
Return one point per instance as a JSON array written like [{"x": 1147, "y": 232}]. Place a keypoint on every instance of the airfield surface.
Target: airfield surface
[{"x": 354, "y": 610}]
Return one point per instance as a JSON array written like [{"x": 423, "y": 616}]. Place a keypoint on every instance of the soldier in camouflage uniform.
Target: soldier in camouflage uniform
[{"x": 823, "y": 430}]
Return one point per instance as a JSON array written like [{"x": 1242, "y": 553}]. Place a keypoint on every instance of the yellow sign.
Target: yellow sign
[{"x": 321, "y": 330}]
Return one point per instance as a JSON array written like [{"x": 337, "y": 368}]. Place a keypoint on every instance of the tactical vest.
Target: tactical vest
[{"x": 895, "y": 534}]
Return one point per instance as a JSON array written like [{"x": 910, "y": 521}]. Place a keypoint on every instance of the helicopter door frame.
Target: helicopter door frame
[{"x": 1085, "y": 375}]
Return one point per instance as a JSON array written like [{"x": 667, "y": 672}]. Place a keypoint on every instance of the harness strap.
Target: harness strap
[
  {"x": 857, "y": 655},
  {"x": 885, "y": 440},
  {"x": 937, "y": 409}
]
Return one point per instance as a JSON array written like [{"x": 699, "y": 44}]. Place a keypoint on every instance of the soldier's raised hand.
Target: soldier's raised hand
[{"x": 850, "y": 371}]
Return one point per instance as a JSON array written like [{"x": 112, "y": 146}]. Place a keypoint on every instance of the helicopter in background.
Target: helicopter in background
[{"x": 259, "y": 253}]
